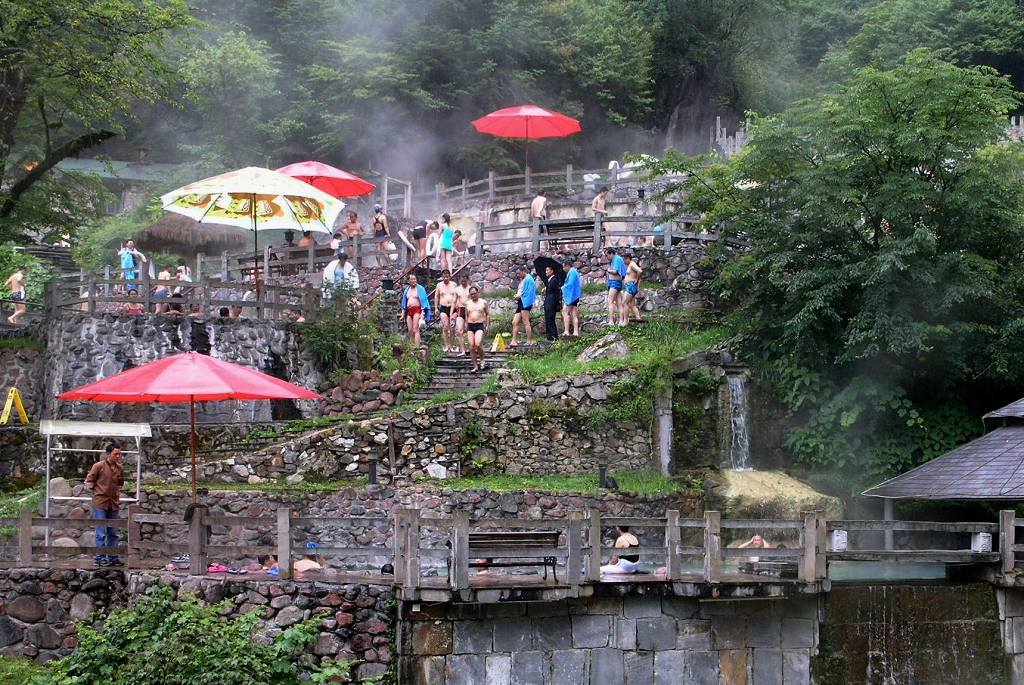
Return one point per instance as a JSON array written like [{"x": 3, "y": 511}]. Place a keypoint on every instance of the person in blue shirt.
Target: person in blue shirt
[
  {"x": 572, "y": 291},
  {"x": 616, "y": 272},
  {"x": 415, "y": 306},
  {"x": 526, "y": 296},
  {"x": 447, "y": 242},
  {"x": 130, "y": 260}
]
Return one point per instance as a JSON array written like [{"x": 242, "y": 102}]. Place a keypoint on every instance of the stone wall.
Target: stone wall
[
  {"x": 633, "y": 640},
  {"x": 1011, "y": 614},
  {"x": 939, "y": 635},
  {"x": 22, "y": 368},
  {"x": 40, "y": 607},
  {"x": 538, "y": 428},
  {"x": 82, "y": 348}
]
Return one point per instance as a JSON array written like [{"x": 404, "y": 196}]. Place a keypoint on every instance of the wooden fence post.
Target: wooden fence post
[
  {"x": 528, "y": 189},
  {"x": 808, "y": 543},
  {"x": 25, "y": 537},
  {"x": 147, "y": 291},
  {"x": 821, "y": 543},
  {"x": 199, "y": 266},
  {"x": 574, "y": 559},
  {"x": 1007, "y": 539},
  {"x": 400, "y": 546},
  {"x": 134, "y": 535},
  {"x": 92, "y": 294},
  {"x": 594, "y": 540},
  {"x": 384, "y": 192},
  {"x": 712, "y": 546},
  {"x": 568, "y": 178},
  {"x": 357, "y": 252},
  {"x": 481, "y": 242},
  {"x": 224, "y": 266},
  {"x": 438, "y": 192},
  {"x": 465, "y": 190},
  {"x": 535, "y": 234},
  {"x": 458, "y": 577},
  {"x": 490, "y": 186},
  {"x": 412, "y": 546},
  {"x": 672, "y": 540},
  {"x": 284, "y": 541},
  {"x": 310, "y": 256},
  {"x": 266, "y": 262},
  {"x": 197, "y": 542},
  {"x": 668, "y": 235},
  {"x": 597, "y": 232},
  {"x": 106, "y": 281},
  {"x": 407, "y": 201}
]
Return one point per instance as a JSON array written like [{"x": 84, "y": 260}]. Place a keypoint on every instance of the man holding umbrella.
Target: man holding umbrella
[{"x": 552, "y": 301}]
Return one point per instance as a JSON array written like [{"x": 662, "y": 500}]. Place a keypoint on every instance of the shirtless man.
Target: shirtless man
[
  {"x": 446, "y": 296},
  {"x": 599, "y": 205},
  {"x": 632, "y": 287},
  {"x": 478, "y": 318},
  {"x": 15, "y": 285},
  {"x": 415, "y": 304},
  {"x": 460, "y": 313}
]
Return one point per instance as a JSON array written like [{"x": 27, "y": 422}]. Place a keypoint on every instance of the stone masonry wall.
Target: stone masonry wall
[
  {"x": 40, "y": 606},
  {"x": 538, "y": 428},
  {"x": 633, "y": 640},
  {"x": 82, "y": 348},
  {"x": 22, "y": 368}
]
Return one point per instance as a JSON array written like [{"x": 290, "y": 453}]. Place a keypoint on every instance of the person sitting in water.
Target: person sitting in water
[
  {"x": 624, "y": 563},
  {"x": 308, "y": 562},
  {"x": 756, "y": 542}
]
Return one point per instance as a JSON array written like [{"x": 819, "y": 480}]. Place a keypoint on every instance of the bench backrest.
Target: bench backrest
[{"x": 524, "y": 539}]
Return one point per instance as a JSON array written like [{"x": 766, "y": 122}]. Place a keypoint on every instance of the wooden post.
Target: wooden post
[
  {"x": 310, "y": 256},
  {"x": 888, "y": 515},
  {"x": 481, "y": 242},
  {"x": 672, "y": 540},
  {"x": 400, "y": 545},
  {"x": 597, "y": 233},
  {"x": 820, "y": 560},
  {"x": 438, "y": 192},
  {"x": 147, "y": 291},
  {"x": 574, "y": 559},
  {"x": 614, "y": 179},
  {"x": 106, "y": 281},
  {"x": 568, "y": 178},
  {"x": 528, "y": 183},
  {"x": 712, "y": 546},
  {"x": 197, "y": 542},
  {"x": 25, "y": 537},
  {"x": 535, "y": 234},
  {"x": 92, "y": 294},
  {"x": 384, "y": 192},
  {"x": 134, "y": 535},
  {"x": 199, "y": 267},
  {"x": 490, "y": 186},
  {"x": 284, "y": 541},
  {"x": 465, "y": 190},
  {"x": 668, "y": 235},
  {"x": 412, "y": 546},
  {"x": 357, "y": 251},
  {"x": 224, "y": 266},
  {"x": 1007, "y": 538},
  {"x": 808, "y": 542},
  {"x": 266, "y": 262},
  {"x": 458, "y": 578},
  {"x": 593, "y": 569}
]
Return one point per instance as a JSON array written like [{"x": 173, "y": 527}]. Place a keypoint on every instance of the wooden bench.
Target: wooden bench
[{"x": 509, "y": 543}]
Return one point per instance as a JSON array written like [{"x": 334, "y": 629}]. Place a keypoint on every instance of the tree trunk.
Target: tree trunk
[{"x": 13, "y": 95}]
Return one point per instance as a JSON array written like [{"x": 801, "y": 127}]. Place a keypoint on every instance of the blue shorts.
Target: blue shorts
[
  {"x": 632, "y": 288},
  {"x": 614, "y": 284}
]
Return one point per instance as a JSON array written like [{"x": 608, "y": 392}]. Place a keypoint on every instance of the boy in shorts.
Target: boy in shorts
[
  {"x": 616, "y": 272},
  {"x": 632, "y": 287},
  {"x": 526, "y": 296}
]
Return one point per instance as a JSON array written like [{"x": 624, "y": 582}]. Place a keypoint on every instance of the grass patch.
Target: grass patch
[
  {"x": 21, "y": 671},
  {"x": 634, "y": 482},
  {"x": 657, "y": 342},
  {"x": 11, "y": 504},
  {"x": 22, "y": 344},
  {"x": 268, "y": 486}
]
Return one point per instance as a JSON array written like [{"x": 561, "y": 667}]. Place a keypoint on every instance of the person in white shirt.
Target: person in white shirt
[
  {"x": 340, "y": 272},
  {"x": 539, "y": 206}
]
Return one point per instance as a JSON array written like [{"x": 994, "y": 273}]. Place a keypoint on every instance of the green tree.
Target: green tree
[
  {"x": 70, "y": 74},
  {"x": 884, "y": 277}
]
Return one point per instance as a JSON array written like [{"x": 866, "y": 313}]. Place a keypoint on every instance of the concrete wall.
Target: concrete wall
[{"x": 633, "y": 640}]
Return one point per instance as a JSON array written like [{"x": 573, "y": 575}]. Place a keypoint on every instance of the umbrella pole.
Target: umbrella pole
[
  {"x": 255, "y": 249},
  {"x": 192, "y": 412}
]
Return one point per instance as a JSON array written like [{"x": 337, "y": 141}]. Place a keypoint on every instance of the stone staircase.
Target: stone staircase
[
  {"x": 454, "y": 374},
  {"x": 59, "y": 257}
]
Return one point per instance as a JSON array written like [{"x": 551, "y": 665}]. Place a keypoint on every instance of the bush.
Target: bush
[
  {"x": 162, "y": 640},
  {"x": 37, "y": 271}
]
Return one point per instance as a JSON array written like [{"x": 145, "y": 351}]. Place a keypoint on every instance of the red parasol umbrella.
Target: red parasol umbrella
[
  {"x": 334, "y": 182},
  {"x": 189, "y": 377},
  {"x": 529, "y": 122}
]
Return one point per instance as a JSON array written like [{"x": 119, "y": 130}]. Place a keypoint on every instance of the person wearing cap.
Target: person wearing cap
[
  {"x": 381, "y": 231},
  {"x": 308, "y": 561}
]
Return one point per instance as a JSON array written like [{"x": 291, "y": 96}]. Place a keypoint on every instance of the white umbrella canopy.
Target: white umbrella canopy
[{"x": 257, "y": 199}]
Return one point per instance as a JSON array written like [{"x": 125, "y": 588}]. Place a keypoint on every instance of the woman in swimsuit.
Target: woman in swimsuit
[
  {"x": 380, "y": 232},
  {"x": 447, "y": 242},
  {"x": 625, "y": 563},
  {"x": 419, "y": 234}
]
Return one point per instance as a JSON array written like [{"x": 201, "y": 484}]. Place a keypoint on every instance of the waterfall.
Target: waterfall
[{"x": 739, "y": 441}]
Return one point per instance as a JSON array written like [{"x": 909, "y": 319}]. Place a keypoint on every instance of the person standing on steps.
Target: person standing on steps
[
  {"x": 381, "y": 230},
  {"x": 552, "y": 303},
  {"x": 446, "y": 296},
  {"x": 632, "y": 286},
  {"x": 105, "y": 480},
  {"x": 478, "y": 318},
  {"x": 572, "y": 291},
  {"x": 415, "y": 306},
  {"x": 462, "y": 293},
  {"x": 616, "y": 271},
  {"x": 15, "y": 285},
  {"x": 447, "y": 242},
  {"x": 526, "y": 296}
]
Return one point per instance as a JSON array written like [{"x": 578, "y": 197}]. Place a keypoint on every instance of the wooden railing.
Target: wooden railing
[{"x": 699, "y": 550}]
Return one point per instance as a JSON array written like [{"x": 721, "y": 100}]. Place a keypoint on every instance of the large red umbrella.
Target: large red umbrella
[
  {"x": 189, "y": 377},
  {"x": 334, "y": 182},
  {"x": 529, "y": 122}
]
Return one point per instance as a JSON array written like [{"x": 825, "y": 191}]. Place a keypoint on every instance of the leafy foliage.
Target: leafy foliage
[
  {"x": 882, "y": 285},
  {"x": 638, "y": 482},
  {"x": 161, "y": 639}
]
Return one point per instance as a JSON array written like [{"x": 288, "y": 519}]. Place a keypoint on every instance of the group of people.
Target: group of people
[
  {"x": 463, "y": 315},
  {"x": 433, "y": 238}
]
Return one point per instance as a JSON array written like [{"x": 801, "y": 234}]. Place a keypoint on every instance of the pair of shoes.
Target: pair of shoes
[
  {"x": 115, "y": 562},
  {"x": 237, "y": 571},
  {"x": 216, "y": 568}
]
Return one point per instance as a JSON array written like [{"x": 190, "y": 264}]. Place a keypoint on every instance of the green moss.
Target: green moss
[
  {"x": 21, "y": 671},
  {"x": 634, "y": 482},
  {"x": 12, "y": 503},
  {"x": 22, "y": 344},
  {"x": 267, "y": 486}
]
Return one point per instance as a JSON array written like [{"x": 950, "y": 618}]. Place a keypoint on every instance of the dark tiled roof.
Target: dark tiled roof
[
  {"x": 991, "y": 467},
  {"x": 1013, "y": 410}
]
